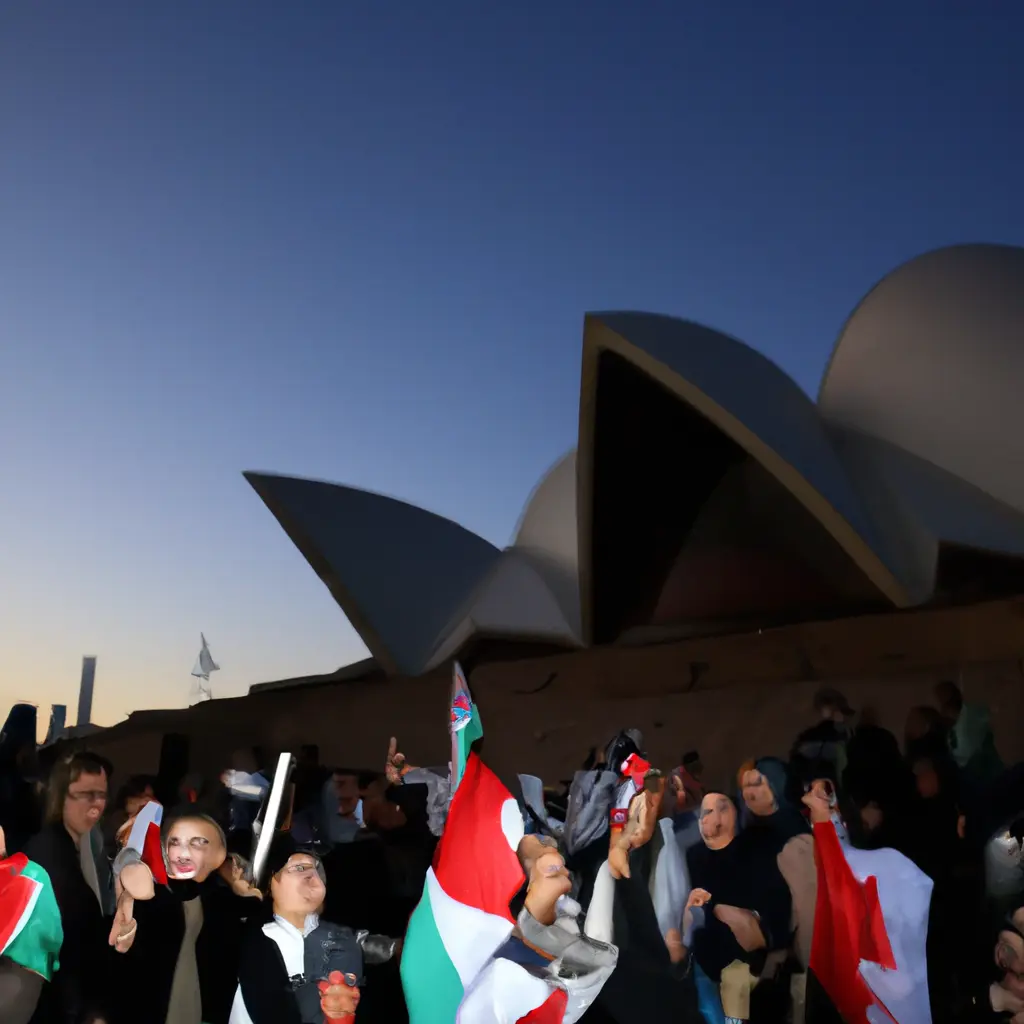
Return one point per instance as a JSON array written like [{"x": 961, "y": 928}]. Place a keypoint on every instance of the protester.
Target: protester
[
  {"x": 296, "y": 942},
  {"x": 820, "y": 751},
  {"x": 70, "y": 849},
  {"x": 660, "y": 897}
]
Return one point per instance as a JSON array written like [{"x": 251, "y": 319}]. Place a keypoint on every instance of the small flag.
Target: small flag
[
  {"x": 204, "y": 662},
  {"x": 30, "y": 928},
  {"x": 144, "y": 839},
  {"x": 464, "y": 723}
]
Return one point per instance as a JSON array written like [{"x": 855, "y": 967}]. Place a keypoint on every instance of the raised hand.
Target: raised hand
[
  {"x": 136, "y": 880},
  {"x": 233, "y": 872},
  {"x": 818, "y": 800},
  {"x": 395, "y": 766},
  {"x": 122, "y": 931},
  {"x": 548, "y": 878},
  {"x": 339, "y": 996}
]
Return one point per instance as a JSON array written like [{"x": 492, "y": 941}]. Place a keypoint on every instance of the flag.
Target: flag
[
  {"x": 463, "y": 916},
  {"x": 144, "y": 839},
  {"x": 870, "y": 930},
  {"x": 464, "y": 724},
  {"x": 204, "y": 662},
  {"x": 30, "y": 929}
]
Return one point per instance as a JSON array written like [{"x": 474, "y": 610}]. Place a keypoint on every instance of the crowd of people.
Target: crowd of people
[{"x": 638, "y": 894}]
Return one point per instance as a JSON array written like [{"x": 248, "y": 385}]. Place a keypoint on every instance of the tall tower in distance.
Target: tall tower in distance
[{"x": 85, "y": 690}]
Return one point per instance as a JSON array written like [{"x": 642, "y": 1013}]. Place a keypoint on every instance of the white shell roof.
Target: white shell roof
[
  {"x": 932, "y": 361},
  {"x": 916, "y": 441}
]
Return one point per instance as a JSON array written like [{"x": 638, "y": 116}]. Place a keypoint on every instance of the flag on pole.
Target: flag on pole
[
  {"x": 204, "y": 662},
  {"x": 30, "y": 928},
  {"x": 870, "y": 930},
  {"x": 464, "y": 725},
  {"x": 463, "y": 917}
]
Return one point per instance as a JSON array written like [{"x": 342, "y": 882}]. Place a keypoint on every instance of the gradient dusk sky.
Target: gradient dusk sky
[{"x": 356, "y": 240}]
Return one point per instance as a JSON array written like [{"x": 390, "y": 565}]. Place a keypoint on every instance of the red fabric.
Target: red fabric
[
  {"x": 551, "y": 1011},
  {"x": 474, "y": 863},
  {"x": 636, "y": 768},
  {"x": 848, "y": 928},
  {"x": 153, "y": 855},
  {"x": 15, "y": 895}
]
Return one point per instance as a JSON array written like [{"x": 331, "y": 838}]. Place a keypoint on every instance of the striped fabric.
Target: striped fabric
[
  {"x": 449, "y": 971},
  {"x": 144, "y": 838},
  {"x": 30, "y": 929}
]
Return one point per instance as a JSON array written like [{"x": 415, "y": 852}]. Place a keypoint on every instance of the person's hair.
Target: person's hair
[
  {"x": 67, "y": 770},
  {"x": 747, "y": 766},
  {"x": 135, "y": 785},
  {"x": 869, "y": 715},
  {"x": 948, "y": 695}
]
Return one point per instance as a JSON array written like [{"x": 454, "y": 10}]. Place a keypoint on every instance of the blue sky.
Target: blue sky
[{"x": 356, "y": 241}]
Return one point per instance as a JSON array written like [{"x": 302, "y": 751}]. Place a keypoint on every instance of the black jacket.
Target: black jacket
[
  {"x": 146, "y": 971},
  {"x": 81, "y": 985}
]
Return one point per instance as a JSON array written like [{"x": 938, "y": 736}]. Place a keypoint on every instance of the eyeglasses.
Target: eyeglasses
[{"x": 92, "y": 796}]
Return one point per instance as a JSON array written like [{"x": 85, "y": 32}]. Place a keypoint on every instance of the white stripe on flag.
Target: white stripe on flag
[
  {"x": 502, "y": 994},
  {"x": 151, "y": 812},
  {"x": 37, "y": 888},
  {"x": 470, "y": 935},
  {"x": 904, "y": 894}
]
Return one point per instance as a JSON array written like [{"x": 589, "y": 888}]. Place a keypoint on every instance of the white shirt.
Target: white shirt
[{"x": 293, "y": 951}]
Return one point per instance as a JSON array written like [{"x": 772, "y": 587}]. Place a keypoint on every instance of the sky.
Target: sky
[{"x": 356, "y": 240}]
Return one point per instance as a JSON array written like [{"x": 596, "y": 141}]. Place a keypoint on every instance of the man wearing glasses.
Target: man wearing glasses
[{"x": 70, "y": 848}]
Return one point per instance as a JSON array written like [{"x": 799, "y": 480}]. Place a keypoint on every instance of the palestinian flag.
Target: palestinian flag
[
  {"x": 464, "y": 725},
  {"x": 463, "y": 916},
  {"x": 30, "y": 930},
  {"x": 870, "y": 929},
  {"x": 144, "y": 838}
]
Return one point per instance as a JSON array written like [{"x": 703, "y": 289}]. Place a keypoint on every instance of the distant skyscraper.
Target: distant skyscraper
[
  {"x": 85, "y": 691},
  {"x": 58, "y": 718}
]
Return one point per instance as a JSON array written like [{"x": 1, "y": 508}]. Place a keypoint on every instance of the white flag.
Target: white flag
[{"x": 204, "y": 663}]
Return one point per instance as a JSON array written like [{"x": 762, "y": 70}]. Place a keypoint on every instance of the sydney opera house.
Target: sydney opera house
[{"x": 716, "y": 546}]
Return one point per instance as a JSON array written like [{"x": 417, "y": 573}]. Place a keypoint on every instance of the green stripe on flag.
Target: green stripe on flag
[
  {"x": 433, "y": 988},
  {"x": 37, "y": 945}
]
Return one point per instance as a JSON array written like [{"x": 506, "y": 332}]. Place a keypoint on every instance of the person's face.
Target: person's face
[
  {"x": 927, "y": 780},
  {"x": 347, "y": 789},
  {"x": 194, "y": 849},
  {"x": 135, "y": 803},
  {"x": 757, "y": 794},
  {"x": 85, "y": 802},
  {"x": 717, "y": 821},
  {"x": 298, "y": 887}
]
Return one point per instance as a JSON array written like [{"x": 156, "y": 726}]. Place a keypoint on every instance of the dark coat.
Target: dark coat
[
  {"x": 80, "y": 987},
  {"x": 146, "y": 971}
]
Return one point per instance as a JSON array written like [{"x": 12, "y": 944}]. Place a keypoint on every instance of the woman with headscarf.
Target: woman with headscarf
[
  {"x": 745, "y": 913},
  {"x": 774, "y": 831}
]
